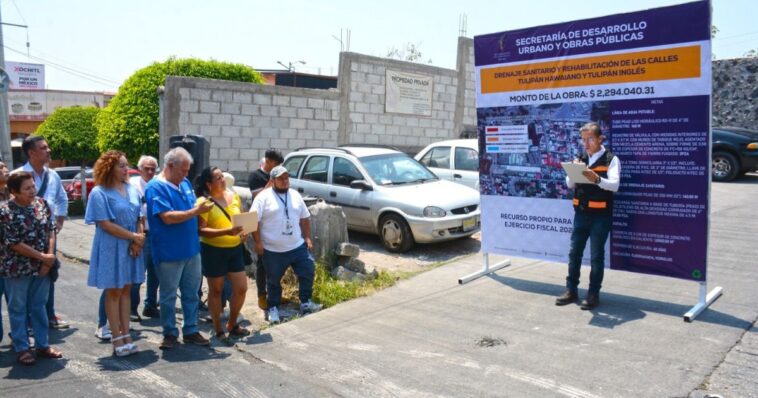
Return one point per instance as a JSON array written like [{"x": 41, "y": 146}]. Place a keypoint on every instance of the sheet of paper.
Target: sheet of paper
[
  {"x": 574, "y": 171},
  {"x": 248, "y": 221}
]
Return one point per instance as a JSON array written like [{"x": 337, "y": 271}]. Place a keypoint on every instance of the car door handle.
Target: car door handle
[
  {"x": 333, "y": 194},
  {"x": 301, "y": 190},
  {"x": 457, "y": 176}
]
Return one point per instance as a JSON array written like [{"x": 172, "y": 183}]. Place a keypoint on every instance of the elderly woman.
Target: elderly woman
[
  {"x": 116, "y": 261},
  {"x": 221, "y": 251},
  {"x": 28, "y": 235}
]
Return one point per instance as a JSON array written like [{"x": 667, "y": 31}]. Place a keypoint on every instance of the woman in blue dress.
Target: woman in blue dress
[{"x": 116, "y": 261}]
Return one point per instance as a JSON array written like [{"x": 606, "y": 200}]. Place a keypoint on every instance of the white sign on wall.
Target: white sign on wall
[
  {"x": 25, "y": 76},
  {"x": 408, "y": 93}
]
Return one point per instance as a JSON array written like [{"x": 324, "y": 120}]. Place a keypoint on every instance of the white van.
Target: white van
[{"x": 453, "y": 160}]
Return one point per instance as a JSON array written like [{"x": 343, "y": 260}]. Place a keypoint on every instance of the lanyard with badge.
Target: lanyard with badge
[{"x": 287, "y": 230}]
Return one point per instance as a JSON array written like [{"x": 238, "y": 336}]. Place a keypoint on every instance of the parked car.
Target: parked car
[
  {"x": 453, "y": 160},
  {"x": 386, "y": 192},
  {"x": 67, "y": 173},
  {"x": 735, "y": 152},
  {"x": 74, "y": 188}
]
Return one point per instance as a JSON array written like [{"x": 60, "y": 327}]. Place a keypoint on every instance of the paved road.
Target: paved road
[
  {"x": 89, "y": 370},
  {"x": 428, "y": 336}
]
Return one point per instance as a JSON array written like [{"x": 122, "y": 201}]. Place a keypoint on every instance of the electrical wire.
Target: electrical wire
[
  {"x": 74, "y": 72},
  {"x": 43, "y": 55}
]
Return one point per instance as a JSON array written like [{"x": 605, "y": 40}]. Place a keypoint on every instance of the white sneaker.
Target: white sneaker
[
  {"x": 103, "y": 333},
  {"x": 309, "y": 307},
  {"x": 273, "y": 316}
]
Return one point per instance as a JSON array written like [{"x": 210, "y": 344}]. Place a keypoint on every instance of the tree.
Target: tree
[
  {"x": 130, "y": 122},
  {"x": 71, "y": 133},
  {"x": 411, "y": 53},
  {"x": 72, "y": 136}
]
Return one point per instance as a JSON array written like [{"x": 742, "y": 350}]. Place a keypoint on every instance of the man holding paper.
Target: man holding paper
[{"x": 593, "y": 211}]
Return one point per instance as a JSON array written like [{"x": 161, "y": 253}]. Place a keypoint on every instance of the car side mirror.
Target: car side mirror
[{"x": 363, "y": 185}]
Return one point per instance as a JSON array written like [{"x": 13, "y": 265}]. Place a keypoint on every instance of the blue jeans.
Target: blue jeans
[
  {"x": 151, "y": 295},
  {"x": 27, "y": 297},
  {"x": 102, "y": 318},
  {"x": 276, "y": 265},
  {"x": 594, "y": 227},
  {"x": 2, "y": 291},
  {"x": 183, "y": 275},
  {"x": 50, "y": 304}
]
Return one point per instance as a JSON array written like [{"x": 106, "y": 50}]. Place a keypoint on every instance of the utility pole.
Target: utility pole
[{"x": 5, "y": 128}]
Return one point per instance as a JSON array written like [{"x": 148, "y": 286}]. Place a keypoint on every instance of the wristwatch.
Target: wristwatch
[{"x": 597, "y": 181}]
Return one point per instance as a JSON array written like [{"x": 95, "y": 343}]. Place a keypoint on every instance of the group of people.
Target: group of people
[
  {"x": 176, "y": 233},
  {"x": 156, "y": 227}
]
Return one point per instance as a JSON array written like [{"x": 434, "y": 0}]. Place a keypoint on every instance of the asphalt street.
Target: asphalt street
[
  {"x": 88, "y": 368},
  {"x": 499, "y": 335}
]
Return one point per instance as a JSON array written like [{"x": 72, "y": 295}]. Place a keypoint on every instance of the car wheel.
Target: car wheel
[
  {"x": 724, "y": 166},
  {"x": 395, "y": 233}
]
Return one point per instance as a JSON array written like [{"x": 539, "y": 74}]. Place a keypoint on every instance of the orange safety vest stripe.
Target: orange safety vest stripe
[{"x": 597, "y": 205}]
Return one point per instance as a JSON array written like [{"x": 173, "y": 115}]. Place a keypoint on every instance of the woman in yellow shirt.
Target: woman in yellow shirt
[{"x": 221, "y": 251}]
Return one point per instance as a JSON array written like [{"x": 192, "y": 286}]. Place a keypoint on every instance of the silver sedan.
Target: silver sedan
[{"x": 386, "y": 192}]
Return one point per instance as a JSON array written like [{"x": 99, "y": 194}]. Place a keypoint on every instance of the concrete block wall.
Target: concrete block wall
[
  {"x": 242, "y": 120},
  {"x": 364, "y": 120}
]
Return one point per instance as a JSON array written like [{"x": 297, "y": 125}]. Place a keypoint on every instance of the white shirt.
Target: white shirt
[
  {"x": 611, "y": 183},
  {"x": 139, "y": 184},
  {"x": 55, "y": 195},
  {"x": 277, "y": 235}
]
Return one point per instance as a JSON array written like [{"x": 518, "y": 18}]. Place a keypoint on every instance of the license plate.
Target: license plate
[{"x": 469, "y": 224}]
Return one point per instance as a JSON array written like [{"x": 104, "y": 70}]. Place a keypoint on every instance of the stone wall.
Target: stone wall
[{"x": 735, "y": 93}]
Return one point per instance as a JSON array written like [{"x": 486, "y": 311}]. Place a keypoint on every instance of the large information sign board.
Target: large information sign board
[{"x": 645, "y": 77}]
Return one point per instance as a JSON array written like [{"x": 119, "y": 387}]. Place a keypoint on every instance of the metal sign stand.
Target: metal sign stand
[
  {"x": 486, "y": 269},
  {"x": 704, "y": 300}
]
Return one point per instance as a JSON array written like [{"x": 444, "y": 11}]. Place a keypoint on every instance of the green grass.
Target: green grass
[{"x": 330, "y": 291}]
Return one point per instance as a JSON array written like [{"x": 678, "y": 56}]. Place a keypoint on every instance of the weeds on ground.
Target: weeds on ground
[{"x": 330, "y": 291}]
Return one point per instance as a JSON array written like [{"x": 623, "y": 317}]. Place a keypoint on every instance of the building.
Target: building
[{"x": 27, "y": 109}]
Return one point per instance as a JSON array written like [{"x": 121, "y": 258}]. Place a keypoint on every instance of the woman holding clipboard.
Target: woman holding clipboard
[{"x": 221, "y": 251}]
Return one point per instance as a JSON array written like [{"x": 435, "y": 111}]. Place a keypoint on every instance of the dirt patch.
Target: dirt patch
[{"x": 420, "y": 258}]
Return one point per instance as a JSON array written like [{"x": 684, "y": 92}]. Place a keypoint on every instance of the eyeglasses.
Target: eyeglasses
[{"x": 146, "y": 168}]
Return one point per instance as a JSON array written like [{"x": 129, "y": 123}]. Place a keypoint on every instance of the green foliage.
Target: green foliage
[
  {"x": 130, "y": 122},
  {"x": 329, "y": 291},
  {"x": 71, "y": 133}
]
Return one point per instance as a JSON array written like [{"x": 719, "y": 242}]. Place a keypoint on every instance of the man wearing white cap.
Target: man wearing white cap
[{"x": 283, "y": 238}]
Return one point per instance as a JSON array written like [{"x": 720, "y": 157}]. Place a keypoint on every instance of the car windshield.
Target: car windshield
[{"x": 396, "y": 169}]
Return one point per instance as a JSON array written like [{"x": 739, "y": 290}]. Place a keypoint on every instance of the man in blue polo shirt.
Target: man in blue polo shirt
[{"x": 172, "y": 215}]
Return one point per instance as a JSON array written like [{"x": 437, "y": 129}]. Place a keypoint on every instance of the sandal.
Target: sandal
[
  {"x": 238, "y": 331},
  {"x": 26, "y": 358},
  {"x": 224, "y": 339},
  {"x": 122, "y": 350},
  {"x": 133, "y": 349},
  {"x": 49, "y": 352}
]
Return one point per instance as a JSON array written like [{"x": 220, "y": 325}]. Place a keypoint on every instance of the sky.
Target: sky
[{"x": 94, "y": 45}]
